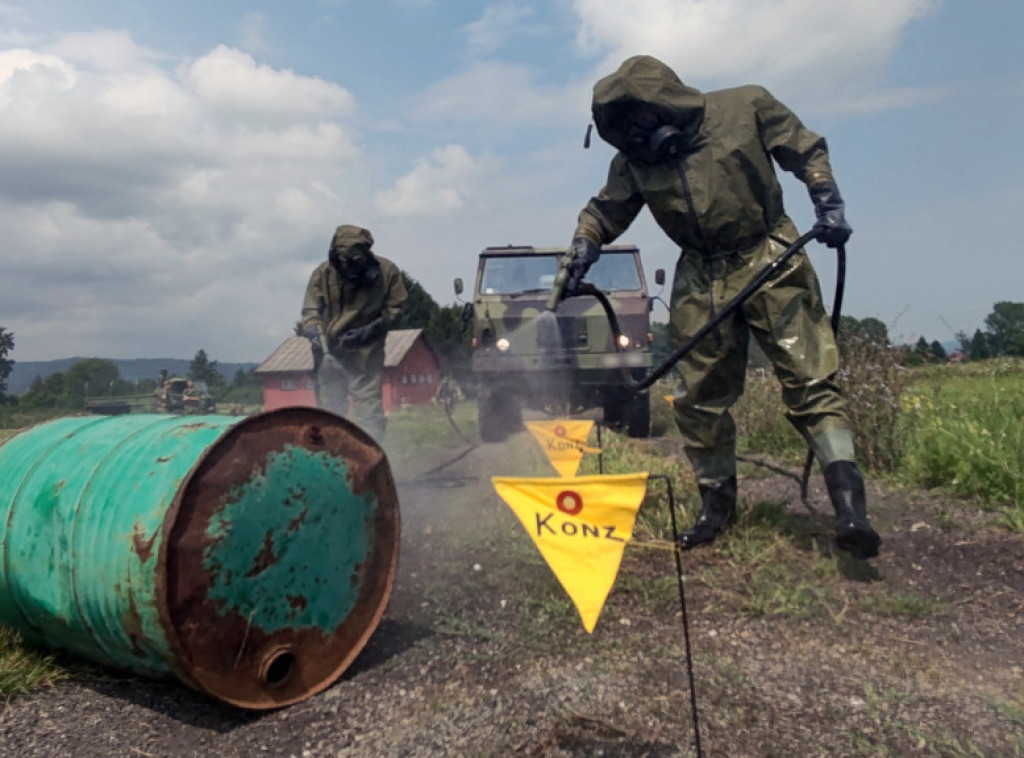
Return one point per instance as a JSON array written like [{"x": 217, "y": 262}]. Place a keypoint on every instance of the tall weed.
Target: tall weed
[
  {"x": 873, "y": 383},
  {"x": 761, "y": 424}
]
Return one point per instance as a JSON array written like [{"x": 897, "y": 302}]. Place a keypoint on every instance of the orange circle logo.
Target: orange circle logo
[{"x": 569, "y": 502}]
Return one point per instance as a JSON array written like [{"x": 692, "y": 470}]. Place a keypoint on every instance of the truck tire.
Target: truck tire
[
  {"x": 638, "y": 416},
  {"x": 613, "y": 414},
  {"x": 499, "y": 415}
]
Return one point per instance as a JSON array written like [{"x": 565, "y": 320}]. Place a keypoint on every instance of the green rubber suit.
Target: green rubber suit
[
  {"x": 715, "y": 193},
  {"x": 350, "y": 302}
]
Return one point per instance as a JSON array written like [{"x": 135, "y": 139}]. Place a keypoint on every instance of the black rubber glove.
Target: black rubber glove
[
  {"x": 363, "y": 334},
  {"x": 312, "y": 334},
  {"x": 584, "y": 253},
  {"x": 830, "y": 209}
]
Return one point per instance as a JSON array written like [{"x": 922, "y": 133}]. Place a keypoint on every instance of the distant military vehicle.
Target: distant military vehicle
[
  {"x": 174, "y": 394},
  {"x": 178, "y": 395},
  {"x": 515, "y": 370}
]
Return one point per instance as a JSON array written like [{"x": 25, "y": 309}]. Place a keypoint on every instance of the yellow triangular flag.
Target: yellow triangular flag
[
  {"x": 564, "y": 441},
  {"x": 581, "y": 527}
]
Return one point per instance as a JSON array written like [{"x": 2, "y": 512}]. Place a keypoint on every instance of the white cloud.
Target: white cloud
[
  {"x": 495, "y": 26},
  {"x": 503, "y": 93},
  {"x": 832, "y": 54},
  {"x": 435, "y": 186},
  {"x": 28, "y": 69},
  {"x": 145, "y": 211},
  {"x": 102, "y": 51},
  {"x": 152, "y": 207},
  {"x": 818, "y": 45},
  {"x": 230, "y": 81}
]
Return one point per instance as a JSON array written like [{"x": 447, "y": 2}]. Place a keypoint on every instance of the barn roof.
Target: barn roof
[
  {"x": 294, "y": 353},
  {"x": 398, "y": 343}
]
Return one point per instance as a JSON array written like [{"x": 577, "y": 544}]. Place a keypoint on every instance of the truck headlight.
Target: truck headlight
[
  {"x": 623, "y": 341},
  {"x": 502, "y": 344}
]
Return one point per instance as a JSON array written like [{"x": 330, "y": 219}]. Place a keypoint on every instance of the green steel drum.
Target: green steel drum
[{"x": 250, "y": 558}]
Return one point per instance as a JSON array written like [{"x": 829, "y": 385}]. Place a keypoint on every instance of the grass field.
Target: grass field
[
  {"x": 959, "y": 428},
  {"x": 966, "y": 432}
]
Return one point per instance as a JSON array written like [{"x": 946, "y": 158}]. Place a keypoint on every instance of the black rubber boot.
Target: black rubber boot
[
  {"x": 846, "y": 490},
  {"x": 717, "y": 511}
]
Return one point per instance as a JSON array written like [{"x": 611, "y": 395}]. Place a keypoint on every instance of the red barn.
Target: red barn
[{"x": 410, "y": 372}]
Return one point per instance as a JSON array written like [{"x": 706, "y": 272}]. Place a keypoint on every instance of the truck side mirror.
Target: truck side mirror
[
  {"x": 458, "y": 286},
  {"x": 659, "y": 277}
]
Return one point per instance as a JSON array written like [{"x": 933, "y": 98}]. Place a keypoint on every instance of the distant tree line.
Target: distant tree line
[
  {"x": 445, "y": 330},
  {"x": 1003, "y": 335},
  {"x": 450, "y": 337},
  {"x": 101, "y": 378}
]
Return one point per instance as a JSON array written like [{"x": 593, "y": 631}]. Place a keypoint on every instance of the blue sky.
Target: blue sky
[{"x": 170, "y": 173}]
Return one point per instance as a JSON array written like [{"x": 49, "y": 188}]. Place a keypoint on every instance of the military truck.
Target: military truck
[
  {"x": 172, "y": 395},
  {"x": 179, "y": 395},
  {"x": 516, "y": 370}
]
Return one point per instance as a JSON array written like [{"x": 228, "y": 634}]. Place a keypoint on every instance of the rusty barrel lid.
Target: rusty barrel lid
[{"x": 278, "y": 556}]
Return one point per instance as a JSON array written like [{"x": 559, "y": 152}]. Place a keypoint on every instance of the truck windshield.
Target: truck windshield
[{"x": 505, "y": 275}]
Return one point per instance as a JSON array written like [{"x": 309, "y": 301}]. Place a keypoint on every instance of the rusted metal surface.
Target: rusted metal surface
[
  {"x": 252, "y": 559},
  {"x": 287, "y": 608}
]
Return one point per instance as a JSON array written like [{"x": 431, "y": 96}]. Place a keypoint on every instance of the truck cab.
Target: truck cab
[{"x": 515, "y": 369}]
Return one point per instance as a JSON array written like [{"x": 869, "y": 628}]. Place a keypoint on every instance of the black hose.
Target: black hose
[
  {"x": 767, "y": 273},
  {"x": 837, "y": 307}
]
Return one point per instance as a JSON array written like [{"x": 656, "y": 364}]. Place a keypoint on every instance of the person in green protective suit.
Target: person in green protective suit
[
  {"x": 350, "y": 302},
  {"x": 703, "y": 164}
]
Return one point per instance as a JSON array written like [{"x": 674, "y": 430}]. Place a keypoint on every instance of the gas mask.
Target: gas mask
[
  {"x": 355, "y": 266},
  {"x": 652, "y": 141}
]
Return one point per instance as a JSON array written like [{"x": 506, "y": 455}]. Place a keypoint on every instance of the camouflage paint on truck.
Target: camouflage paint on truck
[{"x": 512, "y": 288}]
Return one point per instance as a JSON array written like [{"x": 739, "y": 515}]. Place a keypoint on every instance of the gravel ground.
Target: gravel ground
[{"x": 481, "y": 654}]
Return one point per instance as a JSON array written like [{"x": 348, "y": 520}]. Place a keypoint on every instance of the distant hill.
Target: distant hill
[{"x": 131, "y": 369}]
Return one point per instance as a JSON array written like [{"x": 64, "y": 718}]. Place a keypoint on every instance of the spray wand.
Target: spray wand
[{"x": 765, "y": 275}]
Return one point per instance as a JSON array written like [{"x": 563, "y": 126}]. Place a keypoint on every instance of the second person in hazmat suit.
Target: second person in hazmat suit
[
  {"x": 350, "y": 302},
  {"x": 703, "y": 165}
]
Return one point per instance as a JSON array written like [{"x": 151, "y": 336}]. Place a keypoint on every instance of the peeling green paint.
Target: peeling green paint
[
  {"x": 140, "y": 541},
  {"x": 283, "y": 536},
  {"x": 75, "y": 496}
]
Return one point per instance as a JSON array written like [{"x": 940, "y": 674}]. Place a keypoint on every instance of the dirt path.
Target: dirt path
[{"x": 481, "y": 654}]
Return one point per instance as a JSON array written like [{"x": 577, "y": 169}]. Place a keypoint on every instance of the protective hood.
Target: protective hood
[
  {"x": 351, "y": 242},
  {"x": 645, "y": 80}
]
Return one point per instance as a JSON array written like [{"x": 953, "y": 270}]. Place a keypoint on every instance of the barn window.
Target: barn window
[
  {"x": 405, "y": 378},
  {"x": 288, "y": 384}
]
